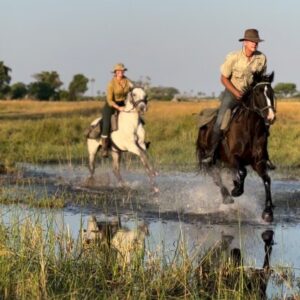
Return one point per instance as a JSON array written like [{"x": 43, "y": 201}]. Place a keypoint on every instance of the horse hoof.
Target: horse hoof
[
  {"x": 154, "y": 174},
  {"x": 156, "y": 190},
  {"x": 267, "y": 215},
  {"x": 236, "y": 192},
  {"x": 228, "y": 200}
]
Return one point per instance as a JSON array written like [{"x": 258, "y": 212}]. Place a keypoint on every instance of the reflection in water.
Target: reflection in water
[
  {"x": 165, "y": 237},
  {"x": 220, "y": 264},
  {"x": 188, "y": 211}
]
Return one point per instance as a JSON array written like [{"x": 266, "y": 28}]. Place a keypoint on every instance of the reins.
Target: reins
[
  {"x": 134, "y": 103},
  {"x": 256, "y": 109}
]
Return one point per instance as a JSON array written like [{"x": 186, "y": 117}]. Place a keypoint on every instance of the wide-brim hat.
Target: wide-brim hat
[
  {"x": 119, "y": 67},
  {"x": 251, "y": 35}
]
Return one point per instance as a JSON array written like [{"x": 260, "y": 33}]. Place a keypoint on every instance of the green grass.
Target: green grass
[
  {"x": 39, "y": 262},
  {"x": 54, "y": 133}
]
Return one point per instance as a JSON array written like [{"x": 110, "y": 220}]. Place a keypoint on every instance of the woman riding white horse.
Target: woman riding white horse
[
  {"x": 130, "y": 136},
  {"x": 117, "y": 90}
]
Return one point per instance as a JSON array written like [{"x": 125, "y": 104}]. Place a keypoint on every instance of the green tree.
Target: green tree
[
  {"x": 18, "y": 90},
  {"x": 46, "y": 86},
  {"x": 4, "y": 79},
  {"x": 63, "y": 95},
  {"x": 78, "y": 86},
  {"x": 162, "y": 93},
  {"x": 285, "y": 89}
]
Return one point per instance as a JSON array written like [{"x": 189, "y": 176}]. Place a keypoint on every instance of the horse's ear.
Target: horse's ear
[
  {"x": 257, "y": 77},
  {"x": 271, "y": 76}
]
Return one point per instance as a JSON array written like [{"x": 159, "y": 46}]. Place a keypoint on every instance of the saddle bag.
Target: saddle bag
[{"x": 94, "y": 130}]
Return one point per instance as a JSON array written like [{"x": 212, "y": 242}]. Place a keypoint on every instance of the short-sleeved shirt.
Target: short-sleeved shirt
[
  {"x": 117, "y": 90},
  {"x": 239, "y": 69}
]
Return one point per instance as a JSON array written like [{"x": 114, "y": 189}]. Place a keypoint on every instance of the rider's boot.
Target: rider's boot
[{"x": 104, "y": 149}]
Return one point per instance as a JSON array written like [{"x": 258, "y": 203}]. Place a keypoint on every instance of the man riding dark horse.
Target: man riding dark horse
[{"x": 237, "y": 76}]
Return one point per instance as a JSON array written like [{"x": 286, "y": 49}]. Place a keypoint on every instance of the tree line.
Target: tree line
[{"x": 48, "y": 86}]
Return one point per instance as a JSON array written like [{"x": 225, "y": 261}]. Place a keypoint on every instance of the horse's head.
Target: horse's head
[
  {"x": 137, "y": 100},
  {"x": 263, "y": 99}
]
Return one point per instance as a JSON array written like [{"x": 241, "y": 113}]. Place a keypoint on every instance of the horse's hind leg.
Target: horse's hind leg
[
  {"x": 238, "y": 181},
  {"x": 93, "y": 147},
  {"x": 214, "y": 172},
  {"x": 116, "y": 157}
]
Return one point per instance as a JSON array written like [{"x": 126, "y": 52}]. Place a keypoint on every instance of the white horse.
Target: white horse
[{"x": 130, "y": 136}]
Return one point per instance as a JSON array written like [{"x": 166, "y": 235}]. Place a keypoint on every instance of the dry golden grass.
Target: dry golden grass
[
  {"x": 45, "y": 131},
  {"x": 170, "y": 110},
  {"x": 31, "y": 107},
  {"x": 286, "y": 110}
]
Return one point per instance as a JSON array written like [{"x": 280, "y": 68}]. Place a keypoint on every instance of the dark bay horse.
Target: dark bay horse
[{"x": 244, "y": 142}]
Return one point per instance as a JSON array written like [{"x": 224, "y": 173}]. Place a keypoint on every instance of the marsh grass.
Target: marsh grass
[
  {"x": 38, "y": 261},
  {"x": 45, "y": 132},
  {"x": 34, "y": 202}
]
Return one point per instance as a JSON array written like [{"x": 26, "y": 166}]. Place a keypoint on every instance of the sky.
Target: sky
[{"x": 179, "y": 43}]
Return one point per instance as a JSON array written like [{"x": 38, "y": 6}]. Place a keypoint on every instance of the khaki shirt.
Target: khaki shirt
[
  {"x": 117, "y": 91},
  {"x": 239, "y": 69}
]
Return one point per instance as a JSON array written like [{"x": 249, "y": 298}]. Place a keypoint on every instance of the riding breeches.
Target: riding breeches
[
  {"x": 107, "y": 112},
  {"x": 227, "y": 102}
]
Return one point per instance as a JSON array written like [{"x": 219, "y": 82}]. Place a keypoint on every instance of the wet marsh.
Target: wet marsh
[{"x": 46, "y": 199}]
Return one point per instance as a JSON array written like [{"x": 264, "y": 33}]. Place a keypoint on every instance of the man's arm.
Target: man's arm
[{"x": 230, "y": 87}]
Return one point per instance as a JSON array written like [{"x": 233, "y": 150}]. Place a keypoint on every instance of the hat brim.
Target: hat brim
[
  {"x": 114, "y": 71},
  {"x": 251, "y": 40}
]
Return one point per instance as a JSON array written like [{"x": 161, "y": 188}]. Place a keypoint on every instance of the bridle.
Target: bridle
[
  {"x": 135, "y": 104},
  {"x": 256, "y": 109}
]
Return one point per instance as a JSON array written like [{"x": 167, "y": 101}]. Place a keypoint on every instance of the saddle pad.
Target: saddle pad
[{"x": 206, "y": 115}]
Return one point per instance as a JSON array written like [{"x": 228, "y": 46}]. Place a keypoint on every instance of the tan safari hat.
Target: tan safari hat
[
  {"x": 118, "y": 67},
  {"x": 251, "y": 35}
]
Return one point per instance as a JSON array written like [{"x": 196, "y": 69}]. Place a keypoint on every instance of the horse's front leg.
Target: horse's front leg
[
  {"x": 261, "y": 170},
  {"x": 267, "y": 214},
  {"x": 238, "y": 181},
  {"x": 214, "y": 172},
  {"x": 149, "y": 169},
  {"x": 116, "y": 158}
]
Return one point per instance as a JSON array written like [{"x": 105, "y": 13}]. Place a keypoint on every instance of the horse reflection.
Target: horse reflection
[
  {"x": 244, "y": 142},
  {"x": 223, "y": 268}
]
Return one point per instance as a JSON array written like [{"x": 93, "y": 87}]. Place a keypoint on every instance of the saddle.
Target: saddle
[
  {"x": 95, "y": 129},
  {"x": 208, "y": 114}
]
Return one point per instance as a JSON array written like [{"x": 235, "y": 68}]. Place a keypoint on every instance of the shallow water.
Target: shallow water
[{"x": 188, "y": 209}]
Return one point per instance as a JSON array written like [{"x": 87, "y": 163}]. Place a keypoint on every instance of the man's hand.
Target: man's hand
[
  {"x": 231, "y": 88},
  {"x": 238, "y": 95}
]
